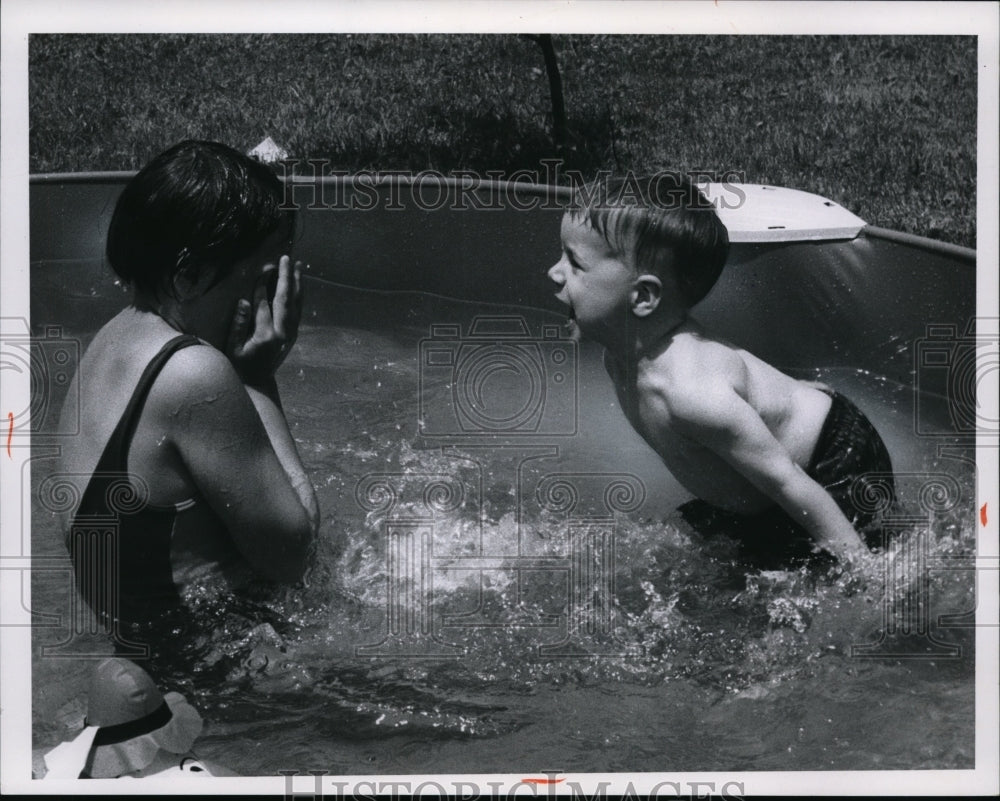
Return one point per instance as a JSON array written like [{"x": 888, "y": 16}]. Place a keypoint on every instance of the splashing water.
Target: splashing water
[{"x": 463, "y": 598}]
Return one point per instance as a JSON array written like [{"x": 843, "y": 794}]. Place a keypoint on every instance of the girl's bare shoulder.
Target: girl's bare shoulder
[{"x": 195, "y": 375}]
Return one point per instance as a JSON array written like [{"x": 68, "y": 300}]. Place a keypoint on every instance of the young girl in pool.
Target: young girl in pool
[{"x": 192, "y": 479}]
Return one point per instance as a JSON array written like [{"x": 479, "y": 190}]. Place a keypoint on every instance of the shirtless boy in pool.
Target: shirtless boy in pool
[
  {"x": 179, "y": 404},
  {"x": 774, "y": 456}
]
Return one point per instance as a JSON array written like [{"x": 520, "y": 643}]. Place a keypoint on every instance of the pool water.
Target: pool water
[{"x": 504, "y": 585}]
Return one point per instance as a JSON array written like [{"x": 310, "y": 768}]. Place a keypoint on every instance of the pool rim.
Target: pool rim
[{"x": 948, "y": 249}]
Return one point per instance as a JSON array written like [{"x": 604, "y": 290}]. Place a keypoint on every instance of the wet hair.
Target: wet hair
[
  {"x": 663, "y": 223},
  {"x": 197, "y": 206}
]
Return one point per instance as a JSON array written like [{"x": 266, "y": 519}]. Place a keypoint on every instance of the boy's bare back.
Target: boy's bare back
[{"x": 724, "y": 422}]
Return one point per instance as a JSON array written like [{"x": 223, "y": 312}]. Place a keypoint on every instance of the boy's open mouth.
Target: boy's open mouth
[{"x": 570, "y": 325}]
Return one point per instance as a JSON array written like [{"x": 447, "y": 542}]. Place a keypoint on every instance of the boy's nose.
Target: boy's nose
[{"x": 555, "y": 273}]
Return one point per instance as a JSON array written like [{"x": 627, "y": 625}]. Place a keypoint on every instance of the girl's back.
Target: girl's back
[{"x": 185, "y": 465}]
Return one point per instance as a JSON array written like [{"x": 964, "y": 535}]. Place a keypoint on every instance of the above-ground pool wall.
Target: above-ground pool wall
[
  {"x": 859, "y": 303},
  {"x": 493, "y": 255}
]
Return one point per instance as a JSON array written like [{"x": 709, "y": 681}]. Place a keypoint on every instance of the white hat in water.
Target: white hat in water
[{"x": 128, "y": 723}]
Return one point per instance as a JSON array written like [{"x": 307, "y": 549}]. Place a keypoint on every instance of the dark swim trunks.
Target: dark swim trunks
[{"x": 850, "y": 461}]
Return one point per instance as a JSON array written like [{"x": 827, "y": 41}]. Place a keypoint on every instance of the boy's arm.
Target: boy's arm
[{"x": 718, "y": 418}]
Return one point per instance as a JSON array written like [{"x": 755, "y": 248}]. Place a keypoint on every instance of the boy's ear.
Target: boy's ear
[{"x": 647, "y": 291}]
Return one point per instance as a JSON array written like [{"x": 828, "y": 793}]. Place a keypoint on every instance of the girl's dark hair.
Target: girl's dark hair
[
  {"x": 196, "y": 206},
  {"x": 664, "y": 222}
]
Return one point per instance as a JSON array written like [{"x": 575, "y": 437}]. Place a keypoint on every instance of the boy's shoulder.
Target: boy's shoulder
[
  {"x": 690, "y": 366},
  {"x": 693, "y": 385}
]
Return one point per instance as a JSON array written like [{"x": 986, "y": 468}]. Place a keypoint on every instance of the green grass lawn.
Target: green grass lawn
[{"x": 885, "y": 126}]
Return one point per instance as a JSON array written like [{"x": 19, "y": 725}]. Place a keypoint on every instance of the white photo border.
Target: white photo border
[{"x": 23, "y": 17}]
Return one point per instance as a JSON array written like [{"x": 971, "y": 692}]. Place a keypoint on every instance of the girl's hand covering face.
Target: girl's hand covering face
[{"x": 264, "y": 330}]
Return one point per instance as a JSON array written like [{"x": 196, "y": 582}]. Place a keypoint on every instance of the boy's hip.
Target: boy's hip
[{"x": 850, "y": 461}]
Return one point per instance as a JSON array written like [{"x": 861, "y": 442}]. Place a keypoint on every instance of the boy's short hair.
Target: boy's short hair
[
  {"x": 197, "y": 205},
  {"x": 664, "y": 223}
]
